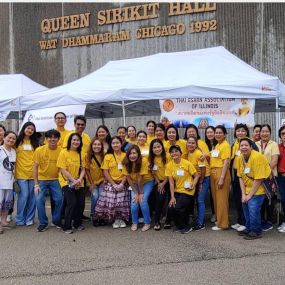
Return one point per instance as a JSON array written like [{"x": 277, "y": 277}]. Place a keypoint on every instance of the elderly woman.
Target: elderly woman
[{"x": 252, "y": 169}]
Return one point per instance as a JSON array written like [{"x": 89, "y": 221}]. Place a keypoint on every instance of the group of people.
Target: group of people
[{"x": 139, "y": 176}]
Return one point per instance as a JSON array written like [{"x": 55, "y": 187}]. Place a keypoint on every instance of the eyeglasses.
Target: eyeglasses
[{"x": 282, "y": 134}]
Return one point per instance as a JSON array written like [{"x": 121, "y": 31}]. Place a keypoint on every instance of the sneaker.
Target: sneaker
[
  {"x": 167, "y": 226},
  {"x": 281, "y": 226},
  {"x": 134, "y": 227},
  {"x": 282, "y": 230},
  {"x": 42, "y": 228},
  {"x": 80, "y": 228},
  {"x": 58, "y": 226},
  {"x": 199, "y": 227},
  {"x": 216, "y": 228},
  {"x": 252, "y": 236},
  {"x": 213, "y": 218},
  {"x": 102, "y": 223},
  {"x": 241, "y": 228},
  {"x": 186, "y": 230},
  {"x": 68, "y": 231},
  {"x": 116, "y": 224},
  {"x": 122, "y": 224},
  {"x": 244, "y": 232},
  {"x": 9, "y": 218},
  {"x": 30, "y": 223},
  {"x": 146, "y": 227},
  {"x": 235, "y": 226},
  {"x": 266, "y": 227}
]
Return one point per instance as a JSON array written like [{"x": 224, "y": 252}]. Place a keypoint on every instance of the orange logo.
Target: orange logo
[{"x": 168, "y": 105}]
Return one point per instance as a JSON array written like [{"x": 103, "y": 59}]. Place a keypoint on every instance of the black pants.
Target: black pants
[
  {"x": 237, "y": 199},
  {"x": 267, "y": 209},
  {"x": 74, "y": 207},
  {"x": 160, "y": 201},
  {"x": 180, "y": 212}
]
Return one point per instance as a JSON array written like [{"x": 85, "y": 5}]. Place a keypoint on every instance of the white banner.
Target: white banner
[
  {"x": 204, "y": 112},
  {"x": 44, "y": 118},
  {"x": 4, "y": 115}
]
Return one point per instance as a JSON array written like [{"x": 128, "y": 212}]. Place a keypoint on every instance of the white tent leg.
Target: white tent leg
[
  {"x": 277, "y": 117},
  {"x": 124, "y": 113}
]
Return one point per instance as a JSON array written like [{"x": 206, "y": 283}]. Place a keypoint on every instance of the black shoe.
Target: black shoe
[
  {"x": 243, "y": 233},
  {"x": 186, "y": 230},
  {"x": 167, "y": 226},
  {"x": 96, "y": 223},
  {"x": 199, "y": 227},
  {"x": 42, "y": 228},
  {"x": 85, "y": 218},
  {"x": 102, "y": 223},
  {"x": 252, "y": 236}
]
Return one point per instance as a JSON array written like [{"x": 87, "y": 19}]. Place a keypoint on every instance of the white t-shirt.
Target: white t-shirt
[{"x": 7, "y": 165}]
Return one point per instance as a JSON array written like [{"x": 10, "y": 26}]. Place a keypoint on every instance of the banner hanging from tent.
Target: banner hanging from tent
[
  {"x": 204, "y": 112},
  {"x": 44, "y": 118},
  {"x": 4, "y": 115}
]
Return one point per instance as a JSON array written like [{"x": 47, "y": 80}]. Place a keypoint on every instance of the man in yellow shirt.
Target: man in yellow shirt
[
  {"x": 60, "y": 121},
  {"x": 46, "y": 179}
]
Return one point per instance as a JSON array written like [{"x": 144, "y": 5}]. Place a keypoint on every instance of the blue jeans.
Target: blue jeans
[
  {"x": 147, "y": 189},
  {"x": 252, "y": 214},
  {"x": 56, "y": 195},
  {"x": 26, "y": 204},
  {"x": 281, "y": 186},
  {"x": 96, "y": 192},
  {"x": 201, "y": 200}
]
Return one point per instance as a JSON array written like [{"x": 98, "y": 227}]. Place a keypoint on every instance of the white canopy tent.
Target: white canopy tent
[
  {"x": 13, "y": 87},
  {"x": 210, "y": 72}
]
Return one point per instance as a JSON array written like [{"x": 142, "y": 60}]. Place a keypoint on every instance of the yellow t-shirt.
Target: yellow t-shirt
[
  {"x": 235, "y": 153},
  {"x": 270, "y": 149},
  {"x": 257, "y": 168},
  {"x": 85, "y": 140},
  {"x": 46, "y": 159},
  {"x": 63, "y": 134},
  {"x": 181, "y": 143},
  {"x": 219, "y": 154},
  {"x": 150, "y": 138},
  {"x": 24, "y": 161},
  {"x": 203, "y": 147},
  {"x": 95, "y": 171},
  {"x": 70, "y": 161},
  {"x": 182, "y": 174},
  {"x": 135, "y": 176},
  {"x": 145, "y": 153},
  {"x": 194, "y": 158},
  {"x": 159, "y": 168},
  {"x": 113, "y": 163}
]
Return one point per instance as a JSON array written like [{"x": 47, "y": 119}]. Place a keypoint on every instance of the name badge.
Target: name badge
[
  {"x": 187, "y": 185},
  {"x": 246, "y": 170},
  {"x": 155, "y": 167},
  {"x": 120, "y": 166},
  {"x": 215, "y": 153},
  {"x": 238, "y": 153},
  {"x": 145, "y": 152},
  {"x": 180, "y": 172},
  {"x": 27, "y": 147}
]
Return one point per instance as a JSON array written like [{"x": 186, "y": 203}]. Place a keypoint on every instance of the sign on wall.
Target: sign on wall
[
  {"x": 204, "y": 112},
  {"x": 44, "y": 118}
]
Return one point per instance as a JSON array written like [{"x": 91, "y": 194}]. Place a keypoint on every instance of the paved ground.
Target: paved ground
[{"x": 107, "y": 256}]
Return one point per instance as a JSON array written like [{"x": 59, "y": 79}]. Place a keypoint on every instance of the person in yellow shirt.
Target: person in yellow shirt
[
  {"x": 151, "y": 125},
  {"x": 160, "y": 132},
  {"x": 172, "y": 138},
  {"x": 71, "y": 164},
  {"x": 114, "y": 203},
  {"x": 46, "y": 179},
  {"x": 157, "y": 163},
  {"x": 132, "y": 134},
  {"x": 26, "y": 144},
  {"x": 142, "y": 143},
  {"x": 135, "y": 168},
  {"x": 252, "y": 169},
  {"x": 220, "y": 178},
  {"x": 122, "y": 133},
  {"x": 271, "y": 151},
  {"x": 60, "y": 121},
  {"x": 103, "y": 134},
  {"x": 183, "y": 179},
  {"x": 95, "y": 175},
  {"x": 79, "y": 125},
  {"x": 198, "y": 159}
]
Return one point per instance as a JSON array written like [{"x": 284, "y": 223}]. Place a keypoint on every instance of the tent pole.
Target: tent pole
[
  {"x": 124, "y": 113},
  {"x": 277, "y": 117}
]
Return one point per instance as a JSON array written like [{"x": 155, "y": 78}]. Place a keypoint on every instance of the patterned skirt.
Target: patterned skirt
[{"x": 112, "y": 204}]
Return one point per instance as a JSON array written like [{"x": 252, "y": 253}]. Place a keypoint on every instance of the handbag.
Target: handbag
[{"x": 270, "y": 186}]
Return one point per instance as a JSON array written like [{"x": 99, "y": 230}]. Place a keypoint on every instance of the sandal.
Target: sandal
[
  {"x": 134, "y": 227},
  {"x": 146, "y": 227},
  {"x": 157, "y": 227}
]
